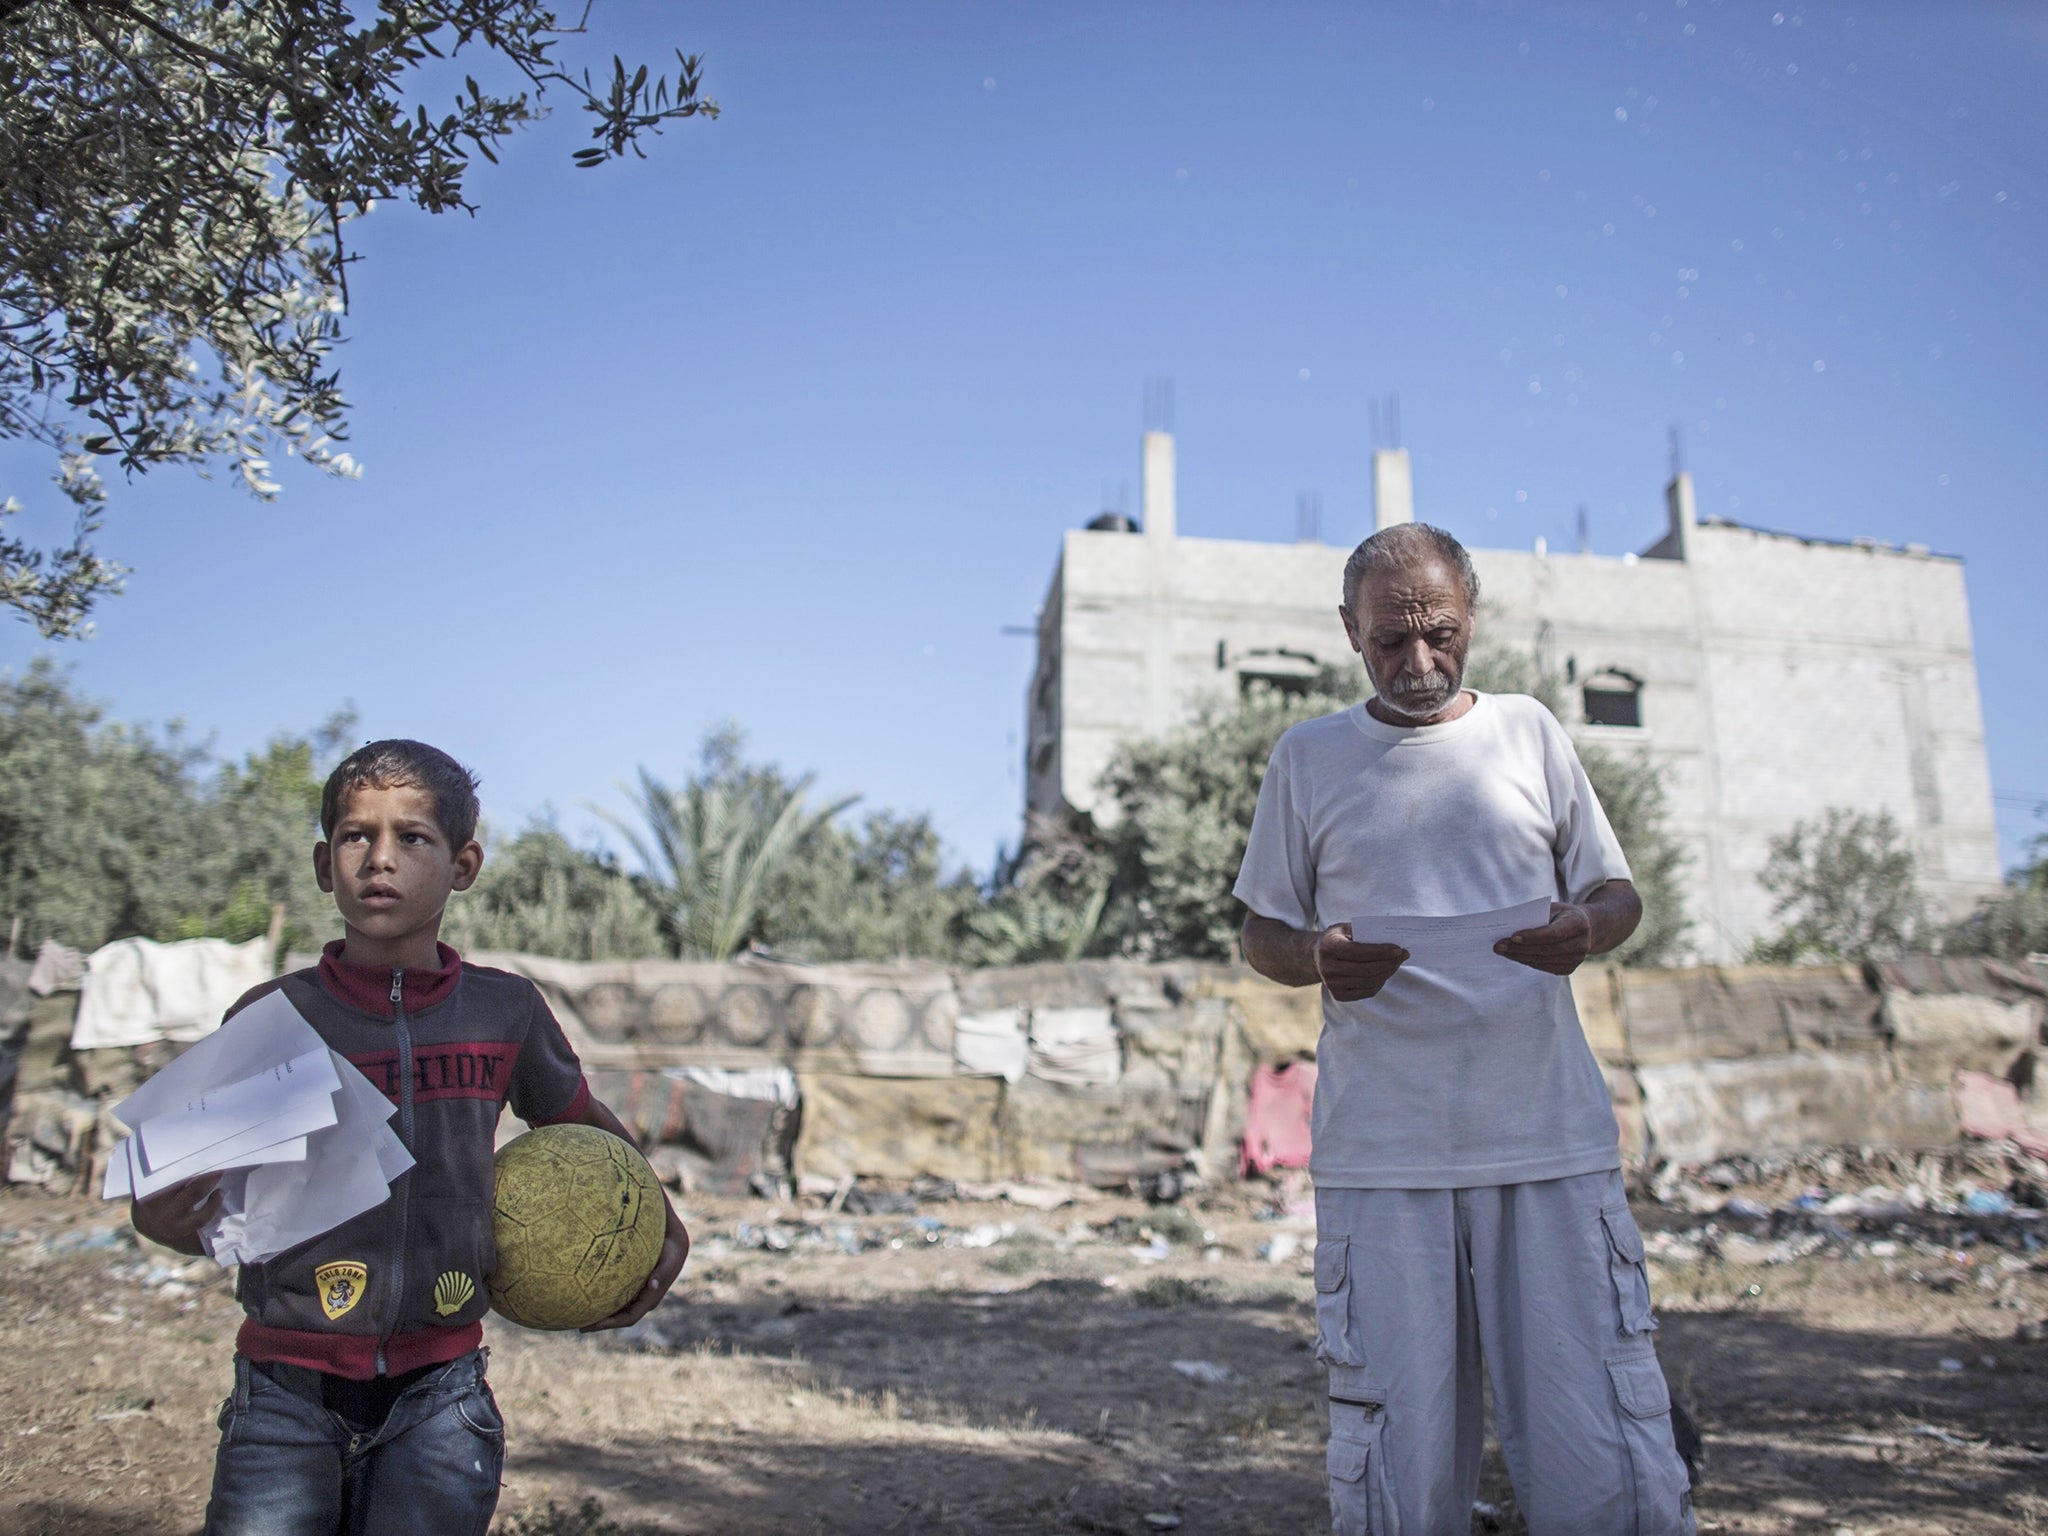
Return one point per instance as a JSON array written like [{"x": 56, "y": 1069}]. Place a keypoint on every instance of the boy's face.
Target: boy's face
[{"x": 389, "y": 865}]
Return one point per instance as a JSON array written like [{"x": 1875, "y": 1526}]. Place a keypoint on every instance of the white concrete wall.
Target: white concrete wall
[{"x": 1781, "y": 678}]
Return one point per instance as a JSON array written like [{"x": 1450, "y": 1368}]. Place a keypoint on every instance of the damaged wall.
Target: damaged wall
[
  {"x": 1148, "y": 1063},
  {"x": 1112, "y": 1070}
]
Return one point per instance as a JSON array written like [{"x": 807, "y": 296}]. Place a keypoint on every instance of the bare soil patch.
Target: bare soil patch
[{"x": 977, "y": 1367}]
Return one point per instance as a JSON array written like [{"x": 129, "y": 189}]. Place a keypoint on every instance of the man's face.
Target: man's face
[
  {"x": 1412, "y": 627},
  {"x": 389, "y": 865}
]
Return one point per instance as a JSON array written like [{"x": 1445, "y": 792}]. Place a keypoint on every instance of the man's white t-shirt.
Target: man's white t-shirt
[{"x": 1474, "y": 1073}]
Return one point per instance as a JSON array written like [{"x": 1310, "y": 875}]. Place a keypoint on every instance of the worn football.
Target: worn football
[{"x": 578, "y": 1220}]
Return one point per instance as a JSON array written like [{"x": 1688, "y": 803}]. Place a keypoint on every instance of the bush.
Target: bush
[
  {"x": 1845, "y": 887},
  {"x": 2013, "y": 925},
  {"x": 109, "y": 831}
]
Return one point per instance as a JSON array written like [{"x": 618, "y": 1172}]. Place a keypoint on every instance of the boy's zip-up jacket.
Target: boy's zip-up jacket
[{"x": 402, "y": 1285}]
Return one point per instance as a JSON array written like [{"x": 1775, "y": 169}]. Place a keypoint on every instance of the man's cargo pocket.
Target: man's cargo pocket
[
  {"x": 1625, "y": 1264},
  {"x": 1336, "y": 1329},
  {"x": 1663, "y": 1491},
  {"x": 1359, "y": 1505}
]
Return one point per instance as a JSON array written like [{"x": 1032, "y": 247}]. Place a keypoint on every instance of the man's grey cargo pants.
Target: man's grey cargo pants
[{"x": 1545, "y": 1283}]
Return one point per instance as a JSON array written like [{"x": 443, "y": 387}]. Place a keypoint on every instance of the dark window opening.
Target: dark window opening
[
  {"x": 1293, "y": 684},
  {"x": 1277, "y": 667},
  {"x": 1614, "y": 699}
]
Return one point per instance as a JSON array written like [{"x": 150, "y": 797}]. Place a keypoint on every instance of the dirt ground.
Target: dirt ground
[{"x": 977, "y": 1366}]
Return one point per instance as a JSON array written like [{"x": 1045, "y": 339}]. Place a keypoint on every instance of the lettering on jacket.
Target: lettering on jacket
[{"x": 479, "y": 1069}]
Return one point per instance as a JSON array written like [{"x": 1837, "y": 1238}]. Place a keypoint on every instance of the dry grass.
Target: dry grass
[{"x": 1010, "y": 1390}]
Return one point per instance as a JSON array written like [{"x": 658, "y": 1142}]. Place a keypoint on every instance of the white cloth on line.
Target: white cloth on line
[
  {"x": 1077, "y": 1046},
  {"x": 991, "y": 1044},
  {"x": 776, "y": 1085},
  {"x": 136, "y": 991}
]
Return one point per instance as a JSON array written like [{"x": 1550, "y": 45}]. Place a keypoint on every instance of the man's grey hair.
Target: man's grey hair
[{"x": 1403, "y": 547}]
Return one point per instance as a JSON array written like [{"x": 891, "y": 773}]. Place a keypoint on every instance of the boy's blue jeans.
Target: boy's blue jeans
[{"x": 288, "y": 1467}]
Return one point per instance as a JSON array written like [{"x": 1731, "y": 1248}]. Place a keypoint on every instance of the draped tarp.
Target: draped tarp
[{"x": 136, "y": 991}]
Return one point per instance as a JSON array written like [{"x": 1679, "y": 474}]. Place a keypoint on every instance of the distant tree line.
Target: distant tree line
[{"x": 109, "y": 829}]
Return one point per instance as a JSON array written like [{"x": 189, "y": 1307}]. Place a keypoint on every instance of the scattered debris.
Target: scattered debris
[
  {"x": 860, "y": 1201},
  {"x": 1042, "y": 1197},
  {"x": 1281, "y": 1247},
  {"x": 1207, "y": 1372}
]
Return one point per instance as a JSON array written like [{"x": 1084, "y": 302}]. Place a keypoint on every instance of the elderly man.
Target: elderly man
[{"x": 1469, "y": 1200}]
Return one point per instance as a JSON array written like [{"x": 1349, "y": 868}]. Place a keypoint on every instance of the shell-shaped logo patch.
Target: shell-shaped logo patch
[
  {"x": 341, "y": 1286},
  {"x": 452, "y": 1292}
]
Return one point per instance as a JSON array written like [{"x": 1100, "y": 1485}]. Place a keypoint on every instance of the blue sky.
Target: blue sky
[{"x": 783, "y": 424}]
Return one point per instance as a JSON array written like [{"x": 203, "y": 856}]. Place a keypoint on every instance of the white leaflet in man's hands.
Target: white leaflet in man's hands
[{"x": 1458, "y": 943}]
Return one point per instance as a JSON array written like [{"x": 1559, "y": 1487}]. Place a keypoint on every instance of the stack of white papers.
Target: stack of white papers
[
  {"x": 1459, "y": 943},
  {"x": 299, "y": 1136}
]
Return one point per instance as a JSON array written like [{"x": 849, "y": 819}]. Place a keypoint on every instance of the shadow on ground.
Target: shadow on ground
[{"x": 1056, "y": 1408}]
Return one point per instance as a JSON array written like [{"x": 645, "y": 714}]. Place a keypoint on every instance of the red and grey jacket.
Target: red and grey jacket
[{"x": 402, "y": 1286}]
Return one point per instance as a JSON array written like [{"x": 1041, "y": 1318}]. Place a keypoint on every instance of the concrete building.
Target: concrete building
[{"x": 1771, "y": 677}]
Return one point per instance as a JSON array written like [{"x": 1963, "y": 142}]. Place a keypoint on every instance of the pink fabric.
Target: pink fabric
[
  {"x": 1276, "y": 1118},
  {"x": 1990, "y": 1108}
]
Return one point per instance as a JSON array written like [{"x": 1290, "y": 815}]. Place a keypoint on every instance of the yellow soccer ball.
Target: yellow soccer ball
[{"x": 579, "y": 1220}]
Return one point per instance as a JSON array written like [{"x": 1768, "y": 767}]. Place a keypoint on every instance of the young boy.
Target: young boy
[{"x": 359, "y": 1402}]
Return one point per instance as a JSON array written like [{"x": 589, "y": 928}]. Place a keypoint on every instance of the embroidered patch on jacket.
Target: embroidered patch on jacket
[
  {"x": 341, "y": 1286},
  {"x": 452, "y": 1292}
]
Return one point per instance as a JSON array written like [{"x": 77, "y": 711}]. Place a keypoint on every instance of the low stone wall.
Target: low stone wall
[
  {"x": 1765, "y": 1059},
  {"x": 1701, "y": 1063}
]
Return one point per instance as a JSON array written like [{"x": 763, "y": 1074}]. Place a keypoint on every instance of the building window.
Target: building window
[
  {"x": 1614, "y": 698},
  {"x": 1293, "y": 684},
  {"x": 1276, "y": 667}
]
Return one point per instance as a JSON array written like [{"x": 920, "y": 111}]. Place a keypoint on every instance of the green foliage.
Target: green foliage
[
  {"x": 873, "y": 892},
  {"x": 258, "y": 822},
  {"x": 735, "y": 856},
  {"x": 1631, "y": 791},
  {"x": 2014, "y": 924},
  {"x": 539, "y": 894},
  {"x": 1184, "y": 811},
  {"x": 1844, "y": 887},
  {"x": 175, "y": 180},
  {"x": 1048, "y": 901},
  {"x": 710, "y": 848},
  {"x": 1025, "y": 923},
  {"x": 107, "y": 831},
  {"x": 94, "y": 817}
]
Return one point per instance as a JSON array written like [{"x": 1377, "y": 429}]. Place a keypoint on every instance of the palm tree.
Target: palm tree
[{"x": 710, "y": 848}]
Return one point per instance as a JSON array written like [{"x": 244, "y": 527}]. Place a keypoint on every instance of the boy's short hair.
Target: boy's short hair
[{"x": 400, "y": 763}]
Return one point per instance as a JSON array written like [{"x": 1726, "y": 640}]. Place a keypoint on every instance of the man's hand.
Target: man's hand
[
  {"x": 1560, "y": 946},
  {"x": 176, "y": 1216},
  {"x": 1601, "y": 922},
  {"x": 1351, "y": 970},
  {"x": 675, "y": 1249}
]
